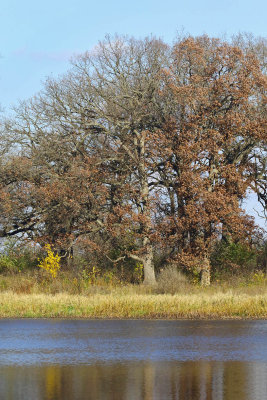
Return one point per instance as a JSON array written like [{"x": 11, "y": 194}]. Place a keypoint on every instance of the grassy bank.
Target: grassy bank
[
  {"x": 122, "y": 305},
  {"x": 36, "y": 295}
]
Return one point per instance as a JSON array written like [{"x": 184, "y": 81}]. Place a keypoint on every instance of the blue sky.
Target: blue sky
[{"x": 39, "y": 37}]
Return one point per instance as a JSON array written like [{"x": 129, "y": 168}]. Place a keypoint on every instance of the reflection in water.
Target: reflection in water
[
  {"x": 132, "y": 360},
  {"x": 207, "y": 380}
]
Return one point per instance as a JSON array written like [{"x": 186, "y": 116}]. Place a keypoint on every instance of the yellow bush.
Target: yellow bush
[
  {"x": 258, "y": 278},
  {"x": 139, "y": 272},
  {"x": 91, "y": 275},
  {"x": 51, "y": 262}
]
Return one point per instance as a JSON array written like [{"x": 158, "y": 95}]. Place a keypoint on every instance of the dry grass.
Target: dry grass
[
  {"x": 172, "y": 281},
  {"x": 122, "y": 305},
  {"x": 36, "y": 296}
]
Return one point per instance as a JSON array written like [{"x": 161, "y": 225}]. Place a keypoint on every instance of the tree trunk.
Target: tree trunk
[
  {"x": 205, "y": 273},
  {"x": 149, "y": 271},
  {"x": 66, "y": 258}
]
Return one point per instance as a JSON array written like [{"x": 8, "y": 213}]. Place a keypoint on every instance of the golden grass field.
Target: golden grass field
[
  {"x": 29, "y": 295},
  {"x": 120, "y": 305}
]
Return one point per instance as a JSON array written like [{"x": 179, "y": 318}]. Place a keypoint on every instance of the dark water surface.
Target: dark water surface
[{"x": 132, "y": 360}]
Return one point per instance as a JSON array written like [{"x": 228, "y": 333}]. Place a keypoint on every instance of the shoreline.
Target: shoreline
[{"x": 219, "y": 306}]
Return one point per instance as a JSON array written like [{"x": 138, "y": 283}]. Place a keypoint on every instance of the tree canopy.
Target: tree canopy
[{"x": 141, "y": 146}]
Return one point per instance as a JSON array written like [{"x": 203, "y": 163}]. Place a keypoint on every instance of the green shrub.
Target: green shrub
[
  {"x": 7, "y": 264},
  {"x": 233, "y": 258},
  {"x": 17, "y": 257}
]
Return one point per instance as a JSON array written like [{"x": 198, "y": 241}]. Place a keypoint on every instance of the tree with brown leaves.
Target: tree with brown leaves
[
  {"x": 145, "y": 141},
  {"x": 212, "y": 137}
]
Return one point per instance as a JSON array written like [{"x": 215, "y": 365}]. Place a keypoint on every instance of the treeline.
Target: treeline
[{"x": 141, "y": 151}]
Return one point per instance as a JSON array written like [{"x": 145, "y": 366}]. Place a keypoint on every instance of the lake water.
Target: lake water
[{"x": 132, "y": 360}]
